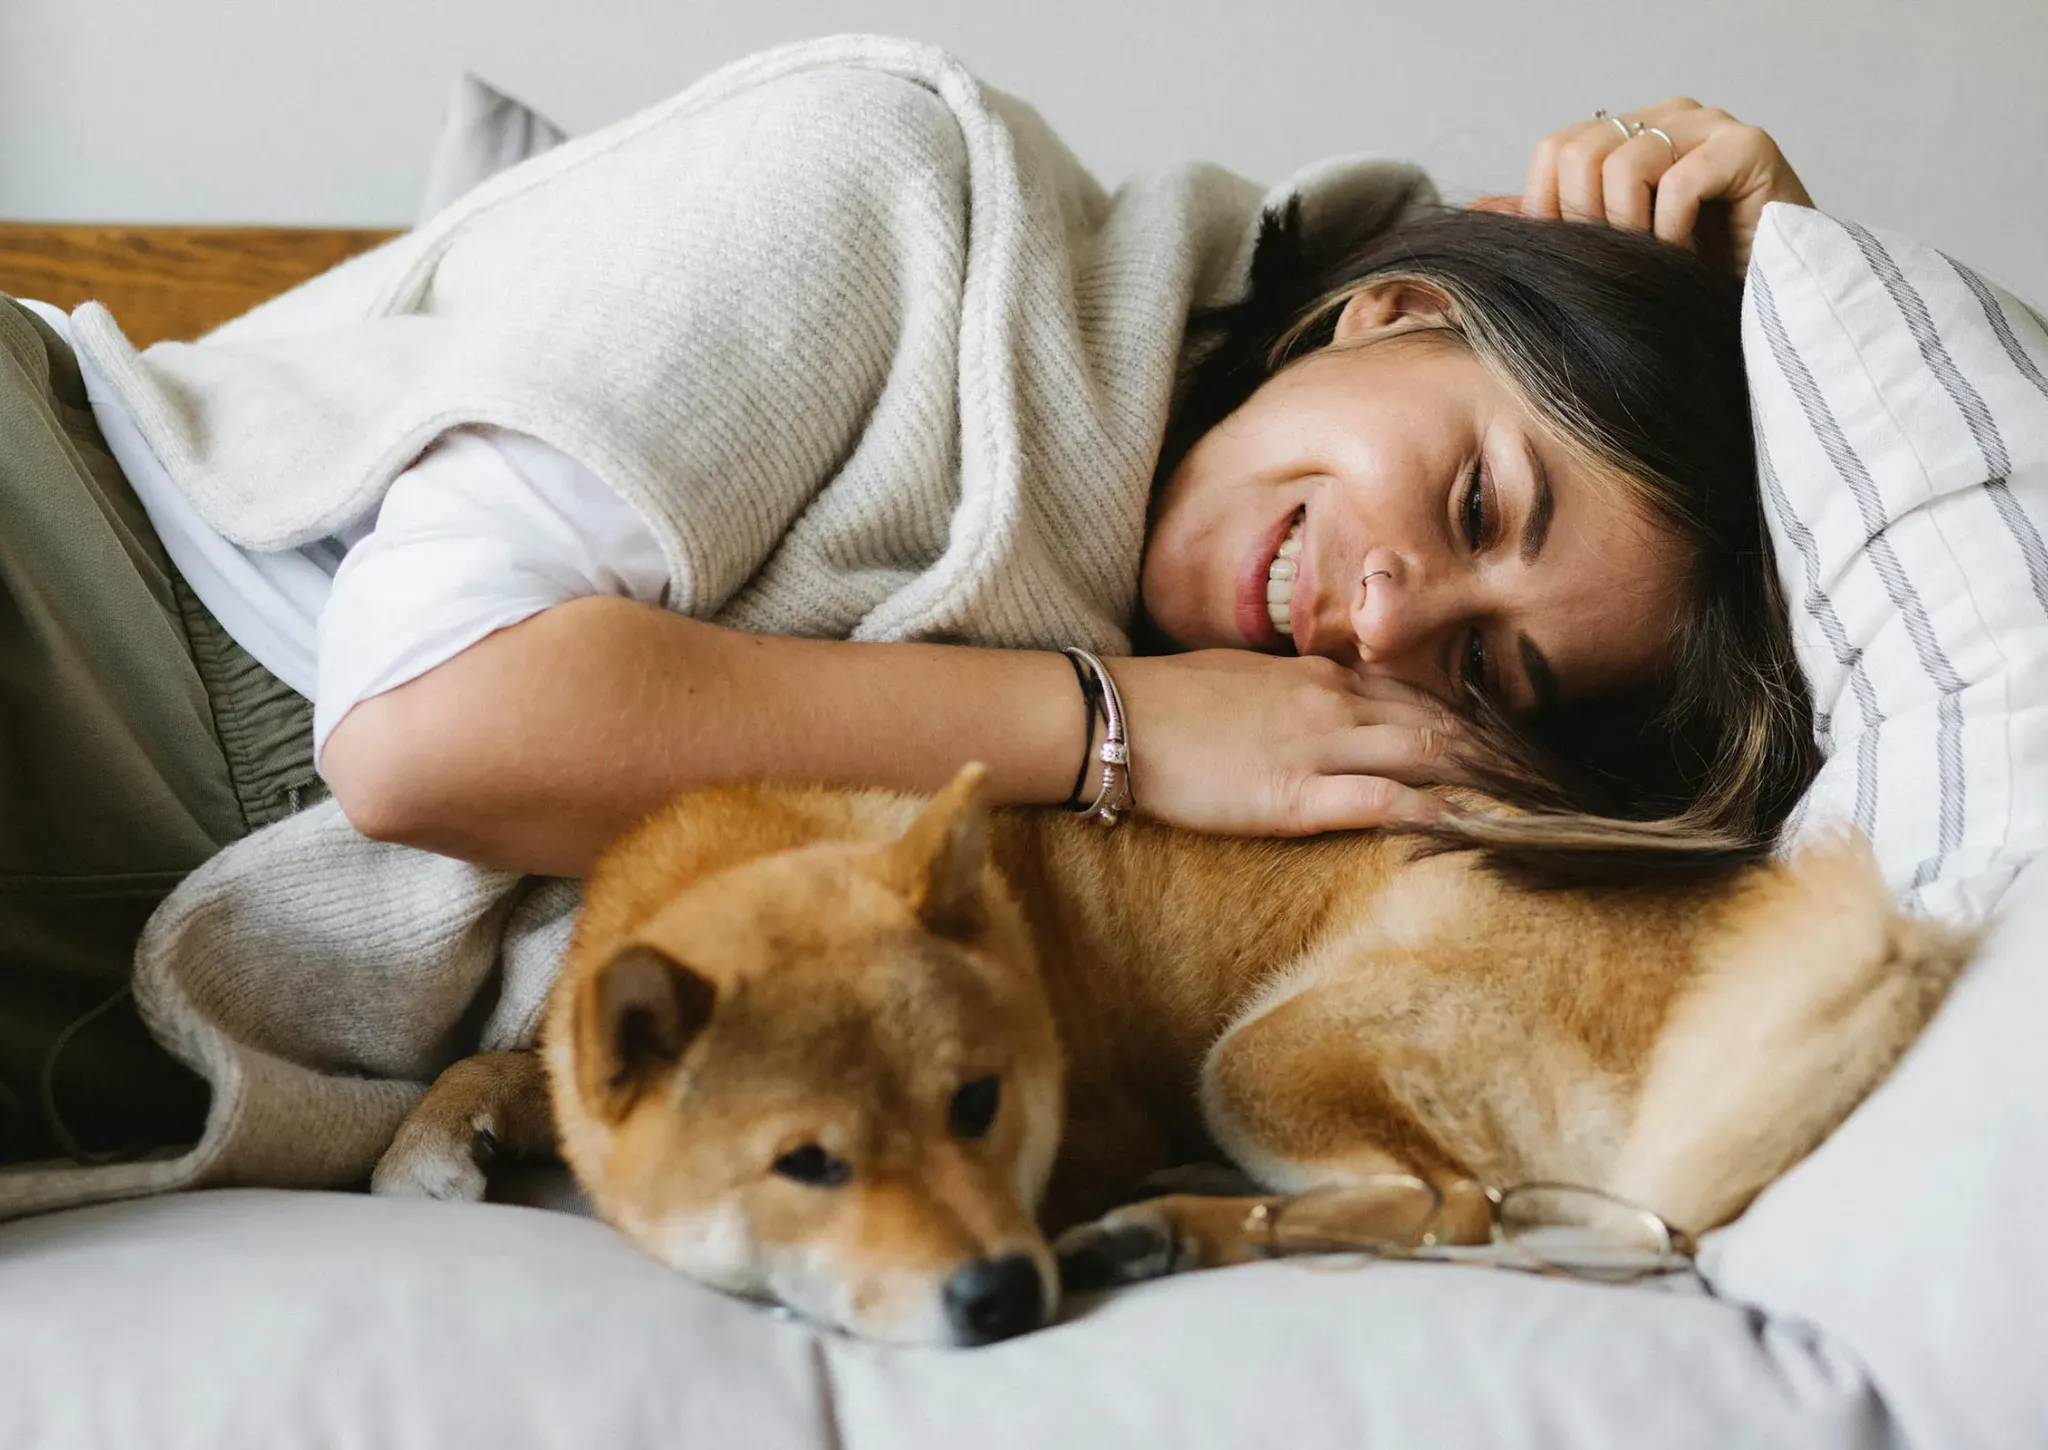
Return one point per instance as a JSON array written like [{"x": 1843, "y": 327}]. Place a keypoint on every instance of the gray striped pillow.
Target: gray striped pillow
[{"x": 1901, "y": 408}]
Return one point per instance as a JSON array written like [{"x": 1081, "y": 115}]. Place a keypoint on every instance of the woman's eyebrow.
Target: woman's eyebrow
[{"x": 1537, "y": 527}]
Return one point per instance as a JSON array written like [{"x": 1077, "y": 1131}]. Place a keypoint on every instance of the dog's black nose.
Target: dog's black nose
[{"x": 993, "y": 1299}]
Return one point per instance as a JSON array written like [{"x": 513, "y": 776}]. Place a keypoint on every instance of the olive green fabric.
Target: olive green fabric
[{"x": 136, "y": 739}]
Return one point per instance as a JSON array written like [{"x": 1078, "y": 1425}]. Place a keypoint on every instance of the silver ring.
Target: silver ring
[
  {"x": 1629, "y": 129},
  {"x": 1665, "y": 137},
  {"x": 1372, "y": 574}
]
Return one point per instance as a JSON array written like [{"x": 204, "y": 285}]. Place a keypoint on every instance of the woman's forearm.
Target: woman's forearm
[{"x": 536, "y": 747}]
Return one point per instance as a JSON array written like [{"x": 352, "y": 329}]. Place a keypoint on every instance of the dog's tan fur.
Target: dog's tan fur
[{"x": 759, "y": 969}]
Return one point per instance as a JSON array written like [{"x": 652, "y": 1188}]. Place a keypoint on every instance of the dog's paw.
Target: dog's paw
[
  {"x": 1124, "y": 1246},
  {"x": 1206, "y": 1180},
  {"x": 423, "y": 1165}
]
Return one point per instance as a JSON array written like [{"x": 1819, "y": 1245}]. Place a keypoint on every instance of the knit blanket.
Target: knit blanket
[{"x": 860, "y": 340}]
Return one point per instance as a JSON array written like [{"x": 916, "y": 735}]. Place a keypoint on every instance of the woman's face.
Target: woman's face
[{"x": 1396, "y": 509}]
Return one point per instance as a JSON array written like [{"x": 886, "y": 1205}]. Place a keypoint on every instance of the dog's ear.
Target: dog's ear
[
  {"x": 635, "y": 1017},
  {"x": 938, "y": 862}
]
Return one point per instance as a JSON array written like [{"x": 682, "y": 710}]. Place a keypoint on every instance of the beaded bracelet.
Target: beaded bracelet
[{"x": 1114, "y": 800}]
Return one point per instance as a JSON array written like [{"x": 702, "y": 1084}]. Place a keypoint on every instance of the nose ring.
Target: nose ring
[{"x": 1373, "y": 574}]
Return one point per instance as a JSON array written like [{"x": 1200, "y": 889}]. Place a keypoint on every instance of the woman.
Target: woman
[
  {"x": 1423, "y": 472},
  {"x": 1233, "y": 742}
]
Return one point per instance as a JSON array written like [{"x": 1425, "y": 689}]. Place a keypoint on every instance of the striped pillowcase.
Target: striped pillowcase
[{"x": 1901, "y": 409}]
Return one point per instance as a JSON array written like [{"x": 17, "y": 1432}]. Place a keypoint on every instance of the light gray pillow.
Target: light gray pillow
[{"x": 484, "y": 132}]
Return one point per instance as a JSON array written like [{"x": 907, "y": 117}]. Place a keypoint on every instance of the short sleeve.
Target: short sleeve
[{"x": 487, "y": 529}]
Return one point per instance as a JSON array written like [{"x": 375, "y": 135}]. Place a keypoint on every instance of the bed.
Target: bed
[{"x": 1886, "y": 1293}]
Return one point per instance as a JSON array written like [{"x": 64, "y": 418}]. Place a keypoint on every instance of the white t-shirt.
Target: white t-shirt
[{"x": 485, "y": 529}]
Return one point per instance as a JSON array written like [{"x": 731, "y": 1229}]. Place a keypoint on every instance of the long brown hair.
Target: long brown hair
[{"x": 1630, "y": 350}]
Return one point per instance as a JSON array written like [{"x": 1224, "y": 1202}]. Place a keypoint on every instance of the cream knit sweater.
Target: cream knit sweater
[{"x": 865, "y": 346}]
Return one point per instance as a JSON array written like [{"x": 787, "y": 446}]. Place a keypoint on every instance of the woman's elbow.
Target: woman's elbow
[{"x": 372, "y": 767}]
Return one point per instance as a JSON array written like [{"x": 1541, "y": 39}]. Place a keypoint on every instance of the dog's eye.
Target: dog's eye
[
  {"x": 974, "y": 1107},
  {"x": 812, "y": 1165}
]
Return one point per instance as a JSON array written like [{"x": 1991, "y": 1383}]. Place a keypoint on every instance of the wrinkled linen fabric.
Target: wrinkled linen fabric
[{"x": 864, "y": 346}]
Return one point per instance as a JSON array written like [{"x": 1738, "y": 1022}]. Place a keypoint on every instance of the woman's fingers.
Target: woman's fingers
[
  {"x": 1630, "y": 177},
  {"x": 1657, "y": 169},
  {"x": 1736, "y": 165},
  {"x": 1363, "y": 802},
  {"x": 1391, "y": 691},
  {"x": 1579, "y": 163},
  {"x": 1596, "y": 171},
  {"x": 1227, "y": 740},
  {"x": 1539, "y": 186},
  {"x": 1407, "y": 733},
  {"x": 1391, "y": 701},
  {"x": 1412, "y": 752},
  {"x": 1676, "y": 215},
  {"x": 1564, "y": 176}
]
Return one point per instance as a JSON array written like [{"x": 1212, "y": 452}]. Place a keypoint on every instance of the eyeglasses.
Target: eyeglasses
[{"x": 1548, "y": 1228}]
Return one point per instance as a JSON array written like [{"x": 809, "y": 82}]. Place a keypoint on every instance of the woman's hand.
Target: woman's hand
[
  {"x": 1239, "y": 743},
  {"x": 1705, "y": 187}
]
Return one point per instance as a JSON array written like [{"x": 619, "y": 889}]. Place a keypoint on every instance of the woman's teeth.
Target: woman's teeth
[{"x": 1280, "y": 582}]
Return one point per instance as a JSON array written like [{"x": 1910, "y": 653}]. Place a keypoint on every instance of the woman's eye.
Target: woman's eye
[
  {"x": 973, "y": 1108},
  {"x": 813, "y": 1166},
  {"x": 1474, "y": 507},
  {"x": 1474, "y": 678}
]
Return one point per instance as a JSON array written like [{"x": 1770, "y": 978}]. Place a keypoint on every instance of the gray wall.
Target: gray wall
[{"x": 1930, "y": 118}]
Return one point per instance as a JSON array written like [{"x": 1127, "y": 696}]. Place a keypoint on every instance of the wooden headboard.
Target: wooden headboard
[{"x": 168, "y": 282}]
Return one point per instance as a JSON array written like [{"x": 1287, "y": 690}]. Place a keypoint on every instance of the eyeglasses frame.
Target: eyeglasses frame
[{"x": 1678, "y": 1253}]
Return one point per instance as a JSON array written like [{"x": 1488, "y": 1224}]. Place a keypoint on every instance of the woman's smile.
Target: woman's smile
[
  {"x": 1268, "y": 583},
  {"x": 1281, "y": 582}
]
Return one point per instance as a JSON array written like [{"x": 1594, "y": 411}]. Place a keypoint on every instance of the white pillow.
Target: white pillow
[
  {"x": 484, "y": 132},
  {"x": 1901, "y": 408}
]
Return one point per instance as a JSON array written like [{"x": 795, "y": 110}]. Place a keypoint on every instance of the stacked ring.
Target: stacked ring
[
  {"x": 1632, "y": 129},
  {"x": 1629, "y": 129}
]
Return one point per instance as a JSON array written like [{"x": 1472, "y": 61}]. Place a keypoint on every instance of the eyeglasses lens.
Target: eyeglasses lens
[{"x": 1587, "y": 1233}]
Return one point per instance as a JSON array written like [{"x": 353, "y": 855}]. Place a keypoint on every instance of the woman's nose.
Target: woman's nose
[{"x": 1395, "y": 613}]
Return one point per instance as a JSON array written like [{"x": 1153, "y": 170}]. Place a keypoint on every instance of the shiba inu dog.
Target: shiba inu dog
[{"x": 863, "y": 1053}]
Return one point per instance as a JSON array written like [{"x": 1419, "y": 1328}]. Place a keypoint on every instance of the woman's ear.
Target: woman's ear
[{"x": 1398, "y": 304}]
